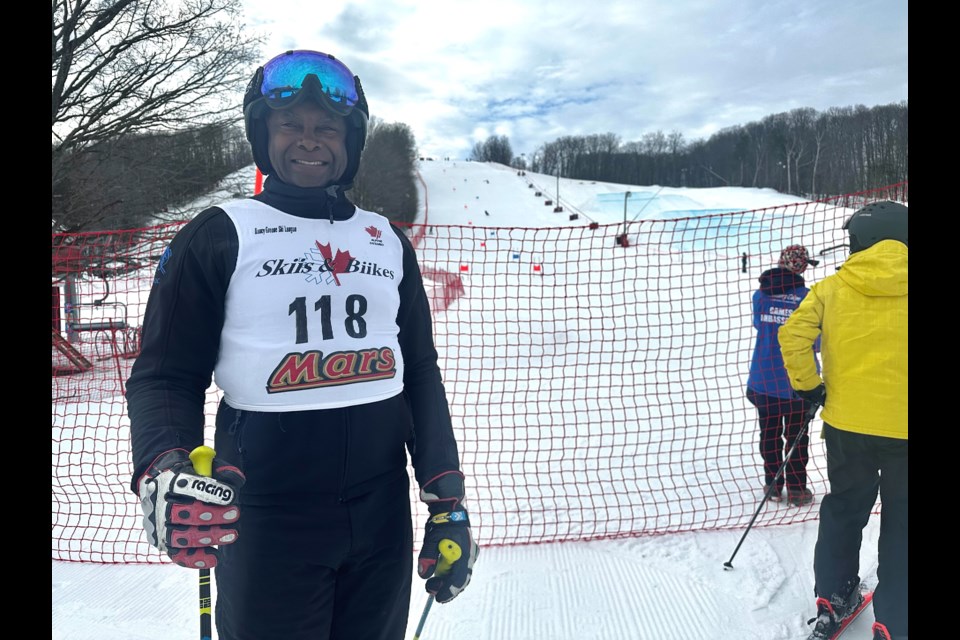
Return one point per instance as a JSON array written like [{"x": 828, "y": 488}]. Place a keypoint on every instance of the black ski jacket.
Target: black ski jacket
[{"x": 338, "y": 453}]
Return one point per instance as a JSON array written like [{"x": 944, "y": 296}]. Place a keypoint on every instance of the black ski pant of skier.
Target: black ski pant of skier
[
  {"x": 319, "y": 569},
  {"x": 858, "y": 467},
  {"x": 780, "y": 422}
]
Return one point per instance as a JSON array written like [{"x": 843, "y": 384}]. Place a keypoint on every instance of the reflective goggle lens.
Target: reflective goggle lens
[{"x": 284, "y": 75}]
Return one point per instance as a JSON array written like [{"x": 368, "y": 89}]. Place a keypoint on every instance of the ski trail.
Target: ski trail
[{"x": 592, "y": 594}]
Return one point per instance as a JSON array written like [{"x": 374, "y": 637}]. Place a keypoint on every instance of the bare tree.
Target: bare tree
[
  {"x": 820, "y": 127},
  {"x": 130, "y": 68},
  {"x": 756, "y": 134},
  {"x": 800, "y": 123}
]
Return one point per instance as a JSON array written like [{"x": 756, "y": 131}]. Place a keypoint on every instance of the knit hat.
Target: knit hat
[{"x": 795, "y": 259}]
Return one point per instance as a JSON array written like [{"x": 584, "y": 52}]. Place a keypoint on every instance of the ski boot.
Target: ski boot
[{"x": 832, "y": 612}]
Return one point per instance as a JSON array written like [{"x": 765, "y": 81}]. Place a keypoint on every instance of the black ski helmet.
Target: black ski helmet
[
  {"x": 256, "y": 107},
  {"x": 875, "y": 222}
]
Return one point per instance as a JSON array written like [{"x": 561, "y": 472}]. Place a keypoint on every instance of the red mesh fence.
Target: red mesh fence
[{"x": 597, "y": 390}]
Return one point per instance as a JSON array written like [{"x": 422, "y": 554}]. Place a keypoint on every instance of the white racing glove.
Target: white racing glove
[{"x": 185, "y": 513}]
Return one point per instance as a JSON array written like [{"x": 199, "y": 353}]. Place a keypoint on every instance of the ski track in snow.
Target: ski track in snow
[
  {"x": 590, "y": 593},
  {"x": 671, "y": 587}
]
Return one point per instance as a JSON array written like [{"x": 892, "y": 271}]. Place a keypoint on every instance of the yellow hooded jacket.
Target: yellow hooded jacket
[{"x": 861, "y": 312}]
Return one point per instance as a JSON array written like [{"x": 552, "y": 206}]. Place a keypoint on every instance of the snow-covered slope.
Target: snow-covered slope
[{"x": 671, "y": 587}]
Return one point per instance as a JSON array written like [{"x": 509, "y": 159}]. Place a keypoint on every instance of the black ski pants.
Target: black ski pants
[
  {"x": 319, "y": 569},
  {"x": 781, "y": 420},
  {"x": 858, "y": 467}
]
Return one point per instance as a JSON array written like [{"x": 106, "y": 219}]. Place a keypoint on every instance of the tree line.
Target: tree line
[
  {"x": 802, "y": 152},
  {"x": 145, "y": 119},
  {"x": 141, "y": 109},
  {"x": 142, "y": 175},
  {"x": 146, "y": 114}
]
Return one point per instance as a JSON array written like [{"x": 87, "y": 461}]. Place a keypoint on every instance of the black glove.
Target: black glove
[
  {"x": 185, "y": 513},
  {"x": 817, "y": 395},
  {"x": 448, "y": 521}
]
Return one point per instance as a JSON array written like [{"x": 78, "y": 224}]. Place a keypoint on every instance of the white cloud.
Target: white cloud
[{"x": 540, "y": 69}]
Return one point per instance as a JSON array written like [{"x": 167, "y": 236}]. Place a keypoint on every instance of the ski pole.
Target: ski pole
[
  {"x": 812, "y": 411},
  {"x": 449, "y": 553},
  {"x": 202, "y": 459}
]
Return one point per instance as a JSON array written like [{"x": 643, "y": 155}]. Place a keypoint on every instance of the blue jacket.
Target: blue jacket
[{"x": 779, "y": 295}]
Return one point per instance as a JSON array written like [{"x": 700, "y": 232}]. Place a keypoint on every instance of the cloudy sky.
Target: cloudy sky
[{"x": 458, "y": 71}]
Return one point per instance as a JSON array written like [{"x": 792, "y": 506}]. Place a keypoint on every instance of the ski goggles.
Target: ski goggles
[{"x": 284, "y": 78}]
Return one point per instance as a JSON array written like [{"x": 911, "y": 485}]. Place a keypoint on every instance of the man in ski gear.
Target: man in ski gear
[
  {"x": 860, "y": 314},
  {"x": 310, "y": 315},
  {"x": 781, "y": 412}
]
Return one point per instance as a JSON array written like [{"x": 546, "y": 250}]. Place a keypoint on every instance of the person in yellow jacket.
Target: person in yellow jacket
[{"x": 860, "y": 314}]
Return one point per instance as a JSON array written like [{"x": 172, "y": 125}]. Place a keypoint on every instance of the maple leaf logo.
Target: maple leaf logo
[
  {"x": 336, "y": 265},
  {"x": 373, "y": 231}
]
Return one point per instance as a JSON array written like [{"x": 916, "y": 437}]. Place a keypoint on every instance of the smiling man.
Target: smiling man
[
  {"x": 311, "y": 316},
  {"x": 307, "y": 145}
]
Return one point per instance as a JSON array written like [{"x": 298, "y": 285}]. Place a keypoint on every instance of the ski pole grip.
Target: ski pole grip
[
  {"x": 202, "y": 459},
  {"x": 450, "y": 552}
]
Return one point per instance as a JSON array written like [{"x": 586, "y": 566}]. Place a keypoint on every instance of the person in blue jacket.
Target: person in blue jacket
[
  {"x": 310, "y": 315},
  {"x": 780, "y": 410}
]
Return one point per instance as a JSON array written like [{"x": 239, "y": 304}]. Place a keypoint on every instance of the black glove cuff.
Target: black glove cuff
[
  {"x": 166, "y": 460},
  {"x": 444, "y": 492}
]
